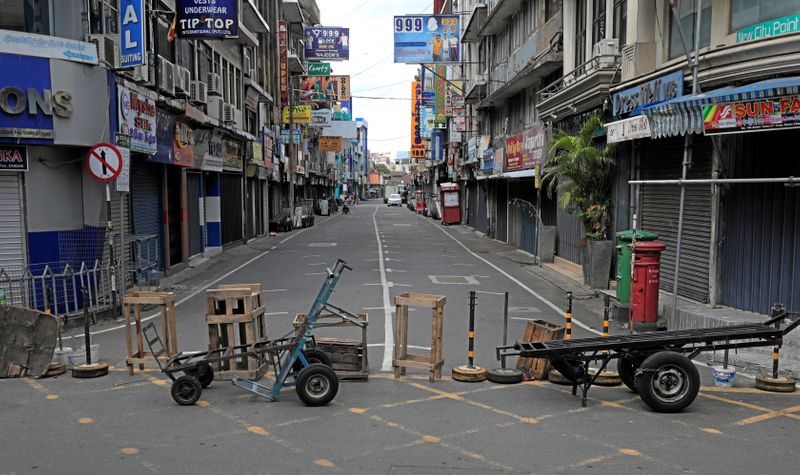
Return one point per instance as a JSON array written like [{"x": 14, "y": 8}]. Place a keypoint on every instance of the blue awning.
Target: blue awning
[{"x": 684, "y": 114}]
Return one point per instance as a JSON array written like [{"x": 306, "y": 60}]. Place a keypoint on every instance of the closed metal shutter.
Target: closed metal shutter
[
  {"x": 231, "y": 207},
  {"x": 661, "y": 159},
  {"x": 276, "y": 201},
  {"x": 760, "y": 251},
  {"x": 522, "y": 229},
  {"x": 146, "y": 202},
  {"x": 12, "y": 255},
  {"x": 501, "y": 204},
  {"x": 472, "y": 203},
  {"x": 481, "y": 212},
  {"x": 193, "y": 210}
]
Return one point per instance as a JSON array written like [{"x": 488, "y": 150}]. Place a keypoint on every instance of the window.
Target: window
[
  {"x": 186, "y": 55},
  {"x": 599, "y": 21},
  {"x": 166, "y": 49},
  {"x": 580, "y": 32},
  {"x": 621, "y": 21},
  {"x": 749, "y": 12},
  {"x": 31, "y": 16},
  {"x": 551, "y": 8},
  {"x": 204, "y": 65},
  {"x": 686, "y": 13}
]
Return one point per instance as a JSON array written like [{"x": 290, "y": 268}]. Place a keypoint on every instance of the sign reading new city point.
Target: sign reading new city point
[{"x": 207, "y": 18}]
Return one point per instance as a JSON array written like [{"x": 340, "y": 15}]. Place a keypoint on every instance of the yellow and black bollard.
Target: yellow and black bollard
[
  {"x": 774, "y": 382},
  {"x": 568, "y": 326},
  {"x": 470, "y": 373}
]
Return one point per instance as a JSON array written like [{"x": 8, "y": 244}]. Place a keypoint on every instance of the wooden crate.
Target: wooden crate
[
  {"x": 538, "y": 330},
  {"x": 432, "y": 362},
  {"x": 349, "y": 357},
  {"x": 236, "y": 316},
  {"x": 132, "y": 305}
]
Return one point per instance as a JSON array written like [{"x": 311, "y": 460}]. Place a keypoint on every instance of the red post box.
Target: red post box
[
  {"x": 420, "y": 200},
  {"x": 450, "y": 199},
  {"x": 644, "y": 284}
]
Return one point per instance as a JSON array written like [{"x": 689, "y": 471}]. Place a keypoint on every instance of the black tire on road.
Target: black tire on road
[
  {"x": 505, "y": 375},
  {"x": 205, "y": 374},
  {"x": 317, "y": 385},
  {"x": 186, "y": 390},
  {"x": 313, "y": 356},
  {"x": 626, "y": 367},
  {"x": 667, "y": 382}
]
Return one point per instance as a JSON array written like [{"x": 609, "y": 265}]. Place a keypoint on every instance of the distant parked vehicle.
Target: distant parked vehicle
[{"x": 394, "y": 200}]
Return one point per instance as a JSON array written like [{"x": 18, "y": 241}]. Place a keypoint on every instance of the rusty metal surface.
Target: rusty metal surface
[{"x": 27, "y": 341}]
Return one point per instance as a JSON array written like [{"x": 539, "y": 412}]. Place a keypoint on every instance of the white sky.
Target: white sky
[{"x": 371, "y": 40}]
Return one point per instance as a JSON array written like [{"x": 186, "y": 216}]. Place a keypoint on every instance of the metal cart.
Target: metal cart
[
  {"x": 657, "y": 365},
  {"x": 309, "y": 369}
]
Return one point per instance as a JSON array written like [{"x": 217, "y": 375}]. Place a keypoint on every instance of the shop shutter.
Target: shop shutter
[
  {"x": 481, "y": 214},
  {"x": 193, "y": 211},
  {"x": 231, "y": 207},
  {"x": 146, "y": 202},
  {"x": 661, "y": 159},
  {"x": 120, "y": 220},
  {"x": 522, "y": 229},
  {"x": 12, "y": 255},
  {"x": 501, "y": 204},
  {"x": 472, "y": 203}
]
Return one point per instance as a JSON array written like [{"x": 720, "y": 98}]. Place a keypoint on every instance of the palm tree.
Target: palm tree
[{"x": 580, "y": 171}]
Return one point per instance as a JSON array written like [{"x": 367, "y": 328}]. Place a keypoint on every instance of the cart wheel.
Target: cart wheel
[
  {"x": 667, "y": 382},
  {"x": 205, "y": 375},
  {"x": 313, "y": 356},
  {"x": 626, "y": 367},
  {"x": 505, "y": 375},
  {"x": 317, "y": 384},
  {"x": 186, "y": 390}
]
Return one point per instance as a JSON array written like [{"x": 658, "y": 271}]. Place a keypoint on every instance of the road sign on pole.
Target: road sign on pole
[{"x": 104, "y": 162}]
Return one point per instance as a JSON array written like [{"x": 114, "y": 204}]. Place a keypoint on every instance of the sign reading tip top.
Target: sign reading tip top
[{"x": 207, "y": 19}]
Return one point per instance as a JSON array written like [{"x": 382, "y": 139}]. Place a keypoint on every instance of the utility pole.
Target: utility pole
[{"x": 292, "y": 150}]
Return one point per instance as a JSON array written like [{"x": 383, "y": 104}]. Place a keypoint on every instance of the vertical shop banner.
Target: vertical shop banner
[
  {"x": 137, "y": 118},
  {"x": 325, "y": 43},
  {"x": 427, "y": 39},
  {"x": 514, "y": 152},
  {"x": 183, "y": 145},
  {"x": 131, "y": 33},
  {"x": 460, "y": 120},
  {"x": 417, "y": 144},
  {"x": 534, "y": 141},
  {"x": 165, "y": 135},
  {"x": 454, "y": 97},
  {"x": 207, "y": 18},
  {"x": 437, "y": 145},
  {"x": 325, "y": 88},
  {"x": 441, "y": 92},
  {"x": 283, "y": 42}
]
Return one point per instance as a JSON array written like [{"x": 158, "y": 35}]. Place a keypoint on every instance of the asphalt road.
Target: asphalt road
[{"x": 130, "y": 424}]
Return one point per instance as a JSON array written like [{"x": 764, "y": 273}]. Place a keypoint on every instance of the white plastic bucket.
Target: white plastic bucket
[
  {"x": 79, "y": 356},
  {"x": 62, "y": 356},
  {"x": 723, "y": 377}
]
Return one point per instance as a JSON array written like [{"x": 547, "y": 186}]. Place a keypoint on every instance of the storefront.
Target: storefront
[{"x": 231, "y": 205}]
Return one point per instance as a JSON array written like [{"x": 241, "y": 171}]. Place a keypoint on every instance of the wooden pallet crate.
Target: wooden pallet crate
[
  {"x": 236, "y": 316},
  {"x": 349, "y": 357},
  {"x": 538, "y": 330},
  {"x": 432, "y": 362},
  {"x": 132, "y": 305}
]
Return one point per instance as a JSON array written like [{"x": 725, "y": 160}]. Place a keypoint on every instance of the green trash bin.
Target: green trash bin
[{"x": 624, "y": 261}]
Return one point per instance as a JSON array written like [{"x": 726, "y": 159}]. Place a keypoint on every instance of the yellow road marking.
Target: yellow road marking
[
  {"x": 85, "y": 420},
  {"x": 714, "y": 389},
  {"x": 358, "y": 410},
  {"x": 437, "y": 391},
  {"x": 324, "y": 463},
  {"x": 258, "y": 430},
  {"x": 129, "y": 451},
  {"x": 203, "y": 403},
  {"x": 52, "y": 396},
  {"x": 631, "y": 452},
  {"x": 158, "y": 381},
  {"x": 788, "y": 412},
  {"x": 711, "y": 430},
  {"x": 431, "y": 438}
]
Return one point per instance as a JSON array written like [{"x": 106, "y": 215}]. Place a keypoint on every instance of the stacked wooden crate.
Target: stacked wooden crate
[
  {"x": 538, "y": 330},
  {"x": 348, "y": 356}
]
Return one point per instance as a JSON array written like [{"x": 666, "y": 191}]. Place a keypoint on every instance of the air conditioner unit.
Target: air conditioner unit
[
  {"x": 227, "y": 114},
  {"x": 238, "y": 119},
  {"x": 638, "y": 59},
  {"x": 140, "y": 74},
  {"x": 214, "y": 82},
  {"x": 480, "y": 79},
  {"x": 606, "y": 51},
  {"x": 198, "y": 92},
  {"x": 107, "y": 49},
  {"x": 166, "y": 76},
  {"x": 183, "y": 81},
  {"x": 215, "y": 107}
]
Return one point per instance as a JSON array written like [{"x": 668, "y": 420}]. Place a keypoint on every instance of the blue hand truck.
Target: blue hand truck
[{"x": 309, "y": 369}]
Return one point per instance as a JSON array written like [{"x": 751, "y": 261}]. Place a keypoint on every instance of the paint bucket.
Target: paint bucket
[
  {"x": 723, "y": 377},
  {"x": 78, "y": 357},
  {"x": 62, "y": 356}
]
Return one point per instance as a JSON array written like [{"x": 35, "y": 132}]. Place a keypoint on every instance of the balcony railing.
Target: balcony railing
[{"x": 601, "y": 62}]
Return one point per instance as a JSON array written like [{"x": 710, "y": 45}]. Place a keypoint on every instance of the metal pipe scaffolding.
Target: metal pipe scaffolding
[{"x": 718, "y": 181}]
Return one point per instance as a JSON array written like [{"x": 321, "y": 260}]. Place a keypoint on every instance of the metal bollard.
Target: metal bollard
[
  {"x": 86, "y": 325},
  {"x": 505, "y": 328},
  {"x": 471, "y": 336},
  {"x": 568, "y": 326},
  {"x": 606, "y": 312}
]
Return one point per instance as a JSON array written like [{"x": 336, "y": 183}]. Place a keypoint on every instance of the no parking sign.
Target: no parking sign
[{"x": 104, "y": 162}]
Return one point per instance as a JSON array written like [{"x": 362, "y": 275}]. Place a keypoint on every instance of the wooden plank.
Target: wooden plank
[
  {"x": 414, "y": 299},
  {"x": 128, "y": 336},
  {"x": 412, "y": 364},
  {"x": 224, "y": 319}
]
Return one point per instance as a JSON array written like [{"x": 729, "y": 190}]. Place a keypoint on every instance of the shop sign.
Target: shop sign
[
  {"x": 768, "y": 29},
  {"x": 437, "y": 145},
  {"x": 441, "y": 92},
  {"x": 747, "y": 116},
  {"x": 330, "y": 144},
  {"x": 427, "y": 122},
  {"x": 460, "y": 120},
  {"x": 472, "y": 150},
  {"x": 283, "y": 48},
  {"x": 258, "y": 152},
  {"x": 285, "y": 136},
  {"x": 319, "y": 69},
  {"x": 488, "y": 160},
  {"x": 207, "y": 18},
  {"x": 321, "y": 118},
  {"x": 13, "y": 158},
  {"x": 324, "y": 43},
  {"x": 123, "y": 181},
  {"x": 300, "y": 115},
  {"x": 453, "y": 98},
  {"x": 325, "y": 88},
  {"x": 534, "y": 141},
  {"x": 429, "y": 99},
  {"x": 29, "y": 44},
  {"x": 637, "y": 127},
  {"x": 652, "y": 92},
  {"x": 131, "y": 37},
  {"x": 209, "y": 149},
  {"x": 417, "y": 144},
  {"x": 183, "y": 145},
  {"x": 514, "y": 152},
  {"x": 137, "y": 118},
  {"x": 427, "y": 39},
  {"x": 232, "y": 155},
  {"x": 165, "y": 135},
  {"x": 499, "y": 161}
]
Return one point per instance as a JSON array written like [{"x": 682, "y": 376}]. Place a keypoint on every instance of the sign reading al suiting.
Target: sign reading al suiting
[
  {"x": 207, "y": 18},
  {"x": 131, "y": 29},
  {"x": 427, "y": 39}
]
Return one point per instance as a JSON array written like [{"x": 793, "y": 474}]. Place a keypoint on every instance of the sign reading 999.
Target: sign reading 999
[{"x": 427, "y": 39}]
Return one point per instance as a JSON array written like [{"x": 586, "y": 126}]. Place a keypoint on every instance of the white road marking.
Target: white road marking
[
  {"x": 273, "y": 290},
  {"x": 464, "y": 265},
  {"x": 399, "y": 225},
  {"x": 388, "y": 336},
  {"x": 524, "y": 287},
  {"x": 316, "y": 273},
  {"x": 318, "y": 264},
  {"x": 388, "y": 259},
  {"x": 311, "y": 255},
  {"x": 322, "y": 244},
  {"x": 276, "y": 313},
  {"x": 376, "y": 284},
  {"x": 396, "y": 270},
  {"x": 424, "y": 348},
  {"x": 454, "y": 280}
]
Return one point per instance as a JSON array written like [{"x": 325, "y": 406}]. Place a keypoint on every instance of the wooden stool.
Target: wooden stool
[
  {"x": 402, "y": 359},
  {"x": 166, "y": 302},
  {"x": 349, "y": 357},
  {"x": 235, "y": 318}
]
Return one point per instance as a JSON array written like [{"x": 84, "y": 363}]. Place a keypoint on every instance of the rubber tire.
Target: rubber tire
[
  {"x": 204, "y": 375},
  {"x": 313, "y": 356},
  {"x": 317, "y": 370},
  {"x": 505, "y": 376},
  {"x": 766, "y": 382},
  {"x": 626, "y": 368},
  {"x": 55, "y": 369},
  {"x": 186, "y": 390},
  {"x": 94, "y": 370},
  {"x": 646, "y": 372}
]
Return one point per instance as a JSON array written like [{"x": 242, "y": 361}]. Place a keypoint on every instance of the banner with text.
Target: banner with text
[
  {"x": 325, "y": 43},
  {"x": 325, "y": 88},
  {"x": 427, "y": 39},
  {"x": 206, "y": 18},
  {"x": 417, "y": 144}
]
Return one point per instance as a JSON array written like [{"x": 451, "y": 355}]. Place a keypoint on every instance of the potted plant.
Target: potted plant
[{"x": 580, "y": 170}]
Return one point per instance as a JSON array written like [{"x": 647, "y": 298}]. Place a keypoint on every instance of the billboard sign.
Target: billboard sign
[
  {"x": 319, "y": 69},
  {"x": 131, "y": 29},
  {"x": 750, "y": 116},
  {"x": 330, "y": 144},
  {"x": 417, "y": 144},
  {"x": 137, "y": 118},
  {"x": 426, "y": 39},
  {"x": 325, "y": 43},
  {"x": 206, "y": 18},
  {"x": 299, "y": 115},
  {"x": 534, "y": 141},
  {"x": 283, "y": 48},
  {"x": 514, "y": 152},
  {"x": 325, "y": 88}
]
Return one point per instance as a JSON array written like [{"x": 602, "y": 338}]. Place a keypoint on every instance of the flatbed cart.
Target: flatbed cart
[
  {"x": 658, "y": 364},
  {"x": 310, "y": 369}
]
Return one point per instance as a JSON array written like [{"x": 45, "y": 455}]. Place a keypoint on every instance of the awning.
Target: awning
[{"x": 684, "y": 114}]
